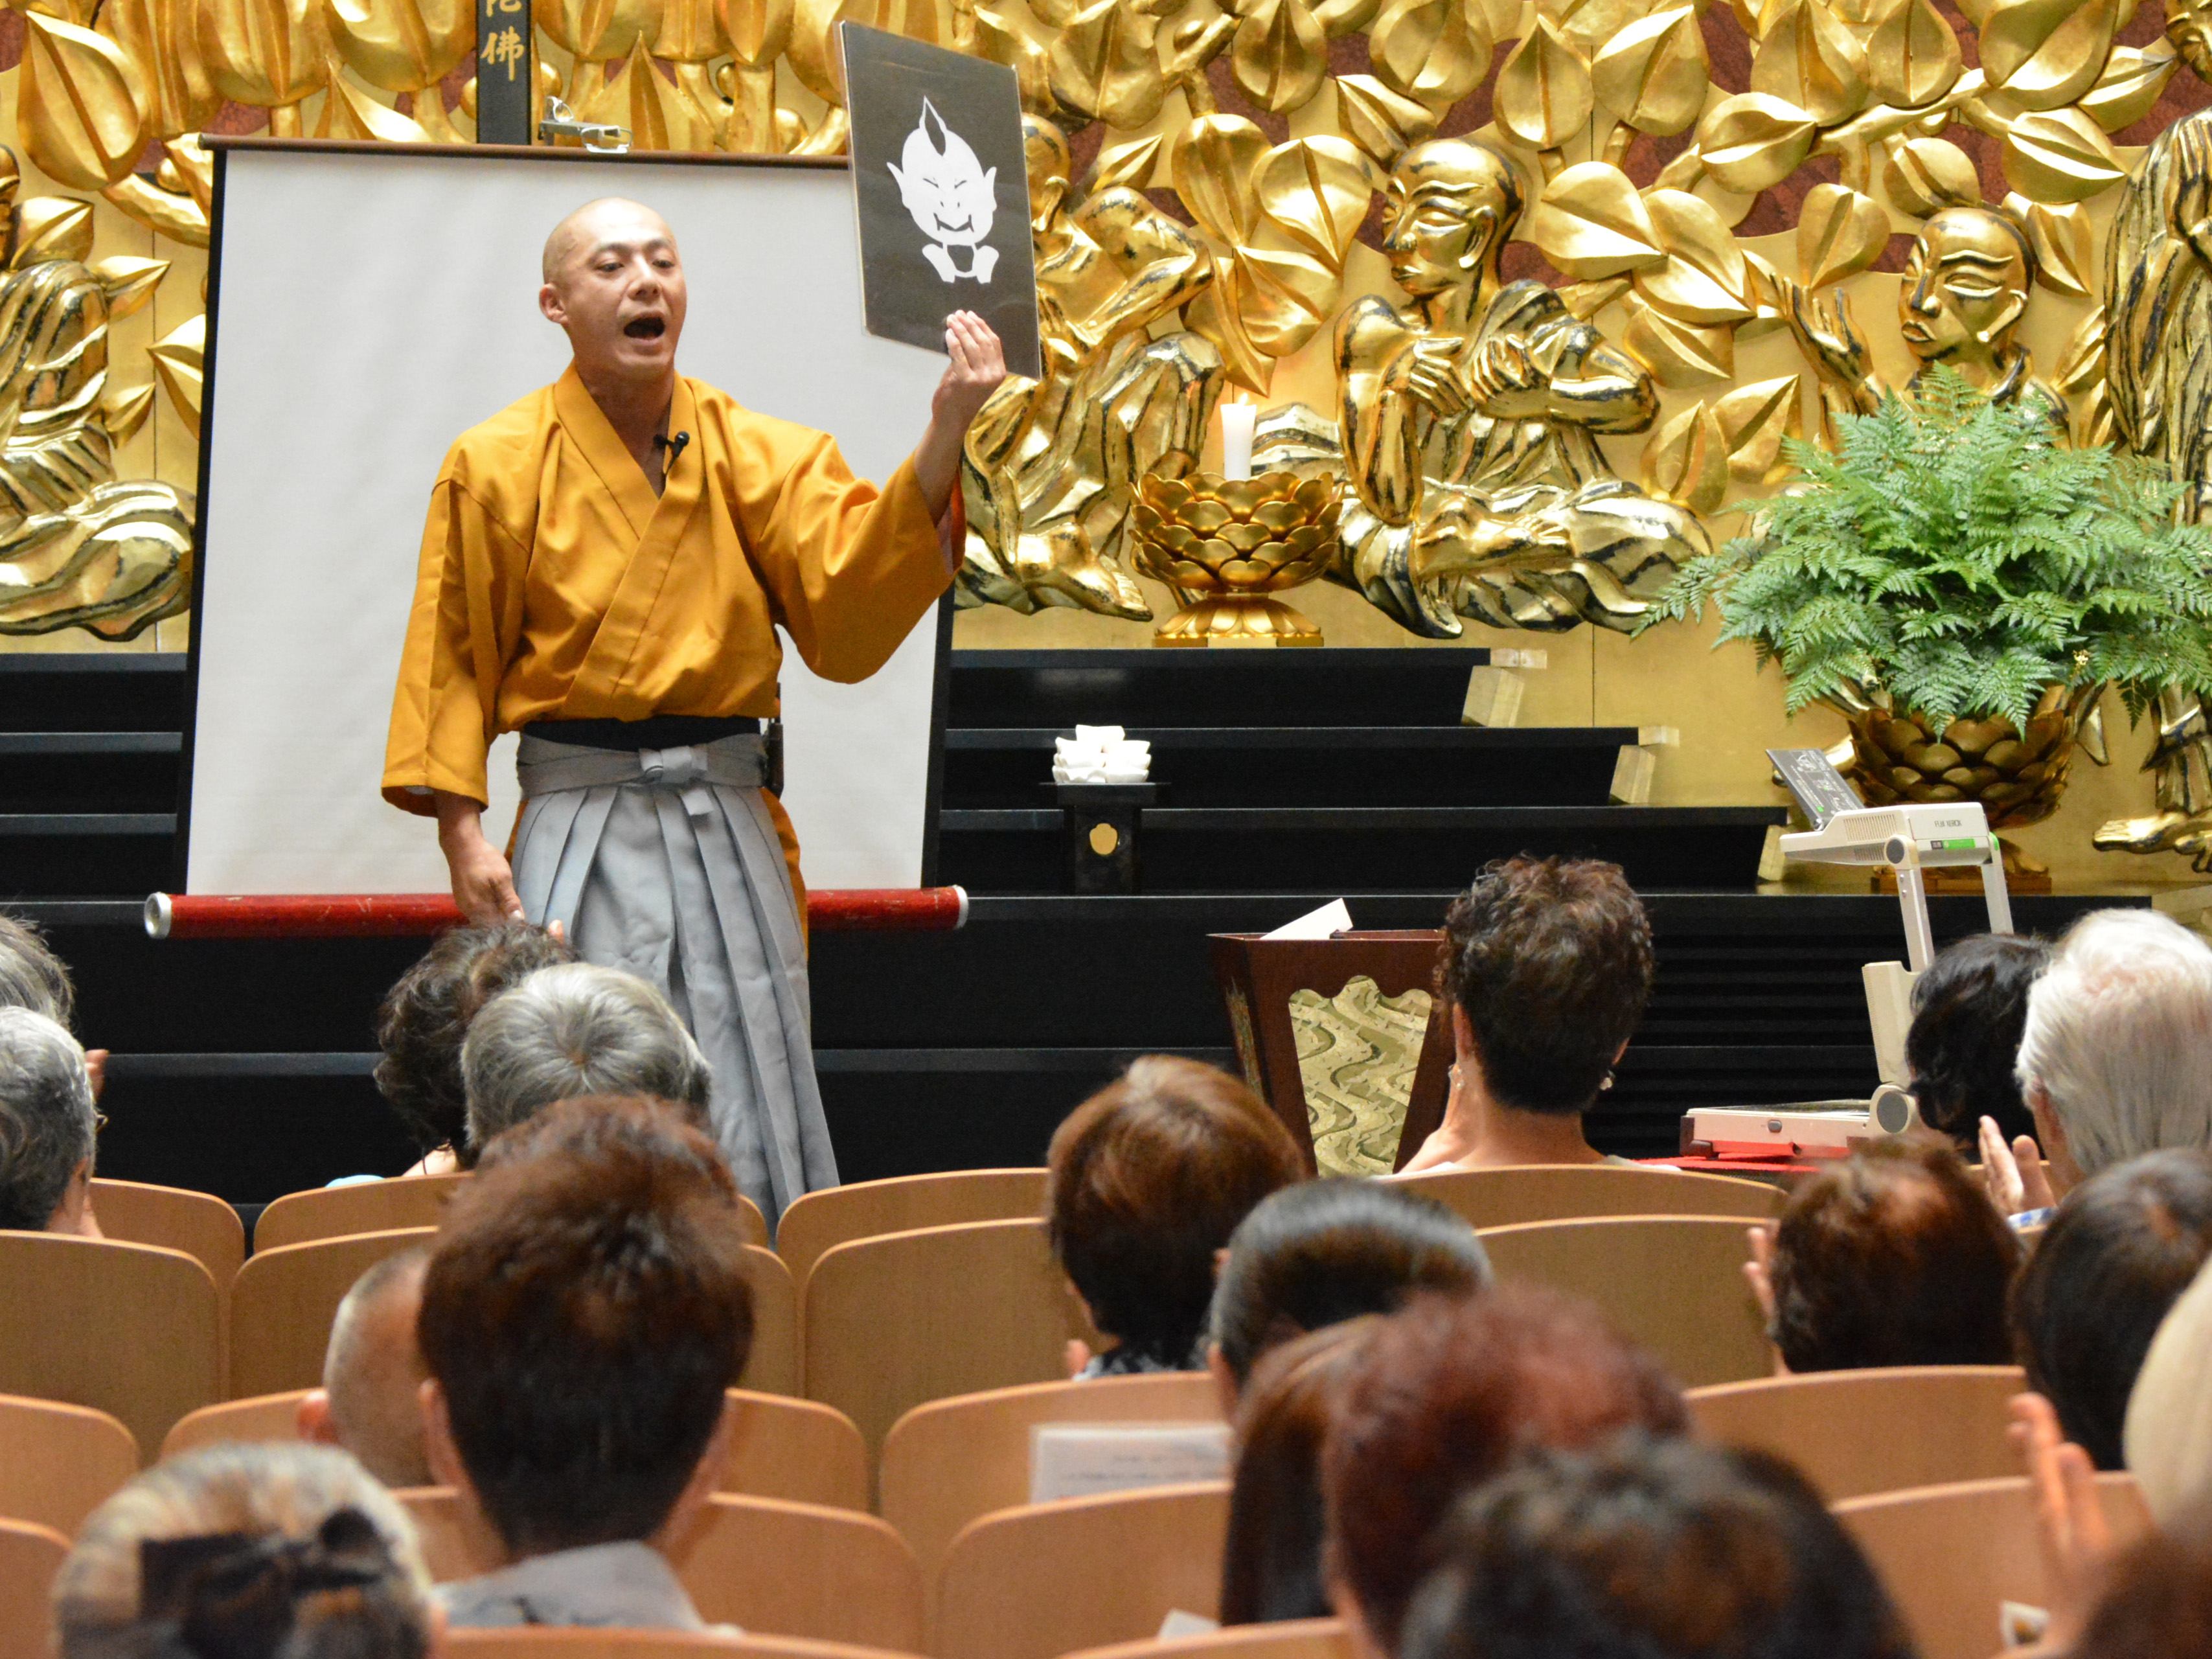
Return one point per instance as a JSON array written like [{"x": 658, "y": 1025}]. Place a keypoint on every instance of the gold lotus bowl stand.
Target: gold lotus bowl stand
[{"x": 1226, "y": 544}]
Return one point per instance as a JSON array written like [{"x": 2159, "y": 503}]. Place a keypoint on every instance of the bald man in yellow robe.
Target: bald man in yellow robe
[{"x": 603, "y": 568}]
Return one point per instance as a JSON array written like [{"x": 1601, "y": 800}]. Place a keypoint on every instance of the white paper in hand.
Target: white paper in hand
[
  {"x": 1082, "y": 1460},
  {"x": 1330, "y": 921}
]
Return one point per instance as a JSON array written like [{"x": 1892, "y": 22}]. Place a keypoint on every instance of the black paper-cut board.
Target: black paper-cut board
[{"x": 941, "y": 187}]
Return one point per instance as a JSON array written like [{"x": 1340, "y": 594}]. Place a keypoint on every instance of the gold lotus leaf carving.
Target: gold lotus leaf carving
[
  {"x": 129, "y": 282},
  {"x": 177, "y": 217},
  {"x": 1680, "y": 356},
  {"x": 2133, "y": 78},
  {"x": 1653, "y": 74},
  {"x": 1106, "y": 63},
  {"x": 1924, "y": 175},
  {"x": 1753, "y": 421},
  {"x": 2059, "y": 155},
  {"x": 1913, "y": 58},
  {"x": 1317, "y": 191},
  {"x": 1213, "y": 161},
  {"x": 661, "y": 113},
  {"x": 271, "y": 53},
  {"x": 1589, "y": 222},
  {"x": 1753, "y": 140},
  {"x": 178, "y": 358},
  {"x": 402, "y": 45},
  {"x": 124, "y": 409},
  {"x": 1128, "y": 164},
  {"x": 1685, "y": 461},
  {"x": 1340, "y": 17},
  {"x": 690, "y": 33},
  {"x": 1703, "y": 279},
  {"x": 759, "y": 31},
  {"x": 1839, "y": 234},
  {"x": 2082, "y": 365},
  {"x": 1286, "y": 298},
  {"x": 81, "y": 104},
  {"x": 1543, "y": 96},
  {"x": 1382, "y": 123},
  {"x": 1586, "y": 299},
  {"x": 1435, "y": 51},
  {"x": 51, "y": 227},
  {"x": 158, "y": 36},
  {"x": 1277, "y": 55},
  {"x": 355, "y": 117},
  {"x": 1588, "y": 24},
  {"x": 2047, "y": 52},
  {"x": 1810, "y": 59},
  {"x": 600, "y": 31},
  {"x": 1002, "y": 42},
  {"x": 2065, "y": 242}
]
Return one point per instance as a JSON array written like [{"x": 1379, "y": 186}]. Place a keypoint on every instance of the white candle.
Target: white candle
[{"x": 1238, "y": 421}]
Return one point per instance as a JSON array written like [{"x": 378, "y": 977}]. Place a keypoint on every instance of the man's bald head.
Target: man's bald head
[
  {"x": 373, "y": 1370},
  {"x": 595, "y": 223}
]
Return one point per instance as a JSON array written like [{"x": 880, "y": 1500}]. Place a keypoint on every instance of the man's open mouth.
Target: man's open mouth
[{"x": 644, "y": 328}]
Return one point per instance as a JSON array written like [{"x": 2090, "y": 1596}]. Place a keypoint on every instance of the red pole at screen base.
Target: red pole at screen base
[{"x": 386, "y": 916}]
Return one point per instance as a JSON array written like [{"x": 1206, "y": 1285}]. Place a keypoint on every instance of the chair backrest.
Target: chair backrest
[
  {"x": 263, "y": 1417},
  {"x": 772, "y": 1365},
  {"x": 772, "y": 1568},
  {"x": 132, "y": 1330},
  {"x": 1046, "y": 1580},
  {"x": 30, "y": 1556},
  {"x": 546, "y": 1642},
  {"x": 283, "y": 1304},
  {"x": 1294, "y": 1639},
  {"x": 950, "y": 1460},
  {"x": 1857, "y": 1432},
  {"x": 818, "y": 1221},
  {"x": 379, "y": 1207},
  {"x": 890, "y": 1322},
  {"x": 1950, "y": 1554},
  {"x": 1673, "y": 1283},
  {"x": 59, "y": 1463},
  {"x": 796, "y": 1450},
  {"x": 1570, "y": 1192},
  {"x": 199, "y": 1224}
]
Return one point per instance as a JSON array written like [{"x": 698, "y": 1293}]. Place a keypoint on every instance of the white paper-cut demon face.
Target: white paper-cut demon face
[{"x": 948, "y": 193}]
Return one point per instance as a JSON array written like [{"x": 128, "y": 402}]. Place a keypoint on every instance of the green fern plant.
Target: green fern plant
[{"x": 1950, "y": 559}]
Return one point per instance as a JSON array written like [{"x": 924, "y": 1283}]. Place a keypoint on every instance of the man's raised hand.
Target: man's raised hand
[{"x": 978, "y": 364}]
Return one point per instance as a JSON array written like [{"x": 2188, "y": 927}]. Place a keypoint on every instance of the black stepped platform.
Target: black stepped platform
[{"x": 89, "y": 755}]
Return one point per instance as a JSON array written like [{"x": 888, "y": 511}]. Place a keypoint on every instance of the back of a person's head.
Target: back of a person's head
[
  {"x": 572, "y": 1031},
  {"x": 2118, "y": 1037},
  {"x": 373, "y": 1370},
  {"x": 46, "y": 1117},
  {"x": 1270, "y": 1564},
  {"x": 1324, "y": 1251},
  {"x": 277, "y": 1549},
  {"x": 582, "y": 1316},
  {"x": 1651, "y": 1549},
  {"x": 593, "y": 1124},
  {"x": 1447, "y": 1395},
  {"x": 2124, "y": 1244},
  {"x": 31, "y": 976},
  {"x": 1968, "y": 1006},
  {"x": 425, "y": 1017},
  {"x": 1893, "y": 1256},
  {"x": 1550, "y": 961},
  {"x": 1149, "y": 1178},
  {"x": 2167, "y": 1437},
  {"x": 2155, "y": 1601}
]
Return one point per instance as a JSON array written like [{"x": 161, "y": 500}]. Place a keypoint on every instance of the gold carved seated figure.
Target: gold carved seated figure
[
  {"x": 1053, "y": 465},
  {"x": 1469, "y": 421}
]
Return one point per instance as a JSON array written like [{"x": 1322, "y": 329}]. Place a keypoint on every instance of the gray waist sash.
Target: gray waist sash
[{"x": 734, "y": 762}]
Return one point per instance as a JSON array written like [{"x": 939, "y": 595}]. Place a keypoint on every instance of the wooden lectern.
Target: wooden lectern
[{"x": 1257, "y": 976}]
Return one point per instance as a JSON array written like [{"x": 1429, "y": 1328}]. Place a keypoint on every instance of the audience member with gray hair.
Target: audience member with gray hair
[
  {"x": 47, "y": 1128},
  {"x": 572, "y": 1030},
  {"x": 2115, "y": 1059},
  {"x": 276, "y": 1549},
  {"x": 31, "y": 977}
]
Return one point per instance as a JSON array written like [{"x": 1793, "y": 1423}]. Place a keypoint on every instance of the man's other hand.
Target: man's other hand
[
  {"x": 978, "y": 364},
  {"x": 484, "y": 886}
]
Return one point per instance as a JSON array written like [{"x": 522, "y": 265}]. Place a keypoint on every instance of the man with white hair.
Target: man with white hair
[
  {"x": 47, "y": 1123},
  {"x": 2115, "y": 1059},
  {"x": 571, "y": 1032}
]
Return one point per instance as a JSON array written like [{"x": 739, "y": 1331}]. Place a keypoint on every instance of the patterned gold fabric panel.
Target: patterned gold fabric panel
[{"x": 1357, "y": 1052}]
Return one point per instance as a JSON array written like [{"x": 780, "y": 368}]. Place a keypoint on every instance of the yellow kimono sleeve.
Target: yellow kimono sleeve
[{"x": 466, "y": 619}]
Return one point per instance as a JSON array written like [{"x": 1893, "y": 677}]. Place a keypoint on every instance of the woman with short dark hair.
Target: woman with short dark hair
[{"x": 1969, "y": 1006}]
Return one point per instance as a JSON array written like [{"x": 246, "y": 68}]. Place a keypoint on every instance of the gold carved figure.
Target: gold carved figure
[
  {"x": 1966, "y": 285},
  {"x": 1469, "y": 421},
  {"x": 77, "y": 548},
  {"x": 1053, "y": 465}
]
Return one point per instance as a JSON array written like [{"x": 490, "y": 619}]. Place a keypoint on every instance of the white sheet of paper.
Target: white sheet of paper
[
  {"x": 1081, "y": 1459},
  {"x": 1330, "y": 919},
  {"x": 1179, "y": 1624}
]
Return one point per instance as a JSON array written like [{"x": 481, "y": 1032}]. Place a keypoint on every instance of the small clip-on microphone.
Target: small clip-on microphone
[{"x": 674, "y": 445}]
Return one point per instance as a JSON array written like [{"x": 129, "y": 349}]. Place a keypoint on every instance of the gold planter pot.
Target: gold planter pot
[
  {"x": 1225, "y": 544},
  {"x": 2017, "y": 775}
]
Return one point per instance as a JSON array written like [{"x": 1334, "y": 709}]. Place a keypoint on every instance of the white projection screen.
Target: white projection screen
[{"x": 369, "y": 305}]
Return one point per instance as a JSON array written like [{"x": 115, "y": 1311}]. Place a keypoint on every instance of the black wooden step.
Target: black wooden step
[
  {"x": 92, "y": 691},
  {"x": 1151, "y": 688},
  {"x": 69, "y": 772},
  {"x": 85, "y": 854}
]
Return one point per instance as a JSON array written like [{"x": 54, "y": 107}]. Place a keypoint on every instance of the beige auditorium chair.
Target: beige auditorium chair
[
  {"x": 836, "y": 1215},
  {"x": 132, "y": 1330},
  {"x": 891, "y": 1322},
  {"x": 1673, "y": 1283},
  {"x": 59, "y": 1463},
  {"x": 768, "y": 1567},
  {"x": 200, "y": 1225},
  {"x": 1046, "y": 1580},
  {"x": 30, "y": 1556},
  {"x": 283, "y": 1304},
  {"x": 544, "y": 1643},
  {"x": 1568, "y": 1192},
  {"x": 772, "y": 1365},
  {"x": 1951, "y": 1554},
  {"x": 376, "y": 1207},
  {"x": 950, "y": 1460},
  {"x": 1857, "y": 1432},
  {"x": 1294, "y": 1639},
  {"x": 263, "y": 1417}
]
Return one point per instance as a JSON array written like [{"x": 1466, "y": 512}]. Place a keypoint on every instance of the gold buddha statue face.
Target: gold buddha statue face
[
  {"x": 1452, "y": 203},
  {"x": 1966, "y": 286},
  {"x": 2189, "y": 27}
]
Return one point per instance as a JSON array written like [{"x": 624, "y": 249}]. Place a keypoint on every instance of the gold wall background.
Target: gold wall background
[{"x": 1769, "y": 112}]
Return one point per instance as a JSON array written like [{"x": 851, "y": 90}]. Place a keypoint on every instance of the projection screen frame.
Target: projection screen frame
[{"x": 221, "y": 146}]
